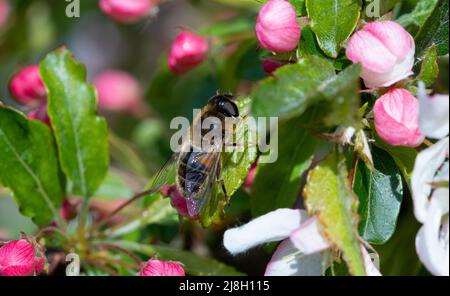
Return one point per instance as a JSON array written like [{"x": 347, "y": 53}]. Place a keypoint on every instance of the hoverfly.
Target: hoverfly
[{"x": 196, "y": 170}]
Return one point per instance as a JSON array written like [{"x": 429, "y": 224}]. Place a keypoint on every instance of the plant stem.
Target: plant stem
[
  {"x": 82, "y": 224},
  {"x": 122, "y": 250},
  {"x": 121, "y": 207}
]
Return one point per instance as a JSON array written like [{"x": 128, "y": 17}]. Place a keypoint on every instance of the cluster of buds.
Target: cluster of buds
[{"x": 386, "y": 52}]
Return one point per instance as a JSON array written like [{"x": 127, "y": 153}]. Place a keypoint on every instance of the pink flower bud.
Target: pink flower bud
[
  {"x": 386, "y": 52},
  {"x": 118, "y": 91},
  {"x": 40, "y": 113},
  {"x": 271, "y": 65},
  {"x": 187, "y": 52},
  {"x": 251, "y": 177},
  {"x": 177, "y": 200},
  {"x": 397, "y": 118},
  {"x": 277, "y": 28},
  {"x": 69, "y": 209},
  {"x": 18, "y": 258},
  {"x": 127, "y": 11},
  {"x": 4, "y": 12},
  {"x": 26, "y": 86},
  {"x": 161, "y": 268}
]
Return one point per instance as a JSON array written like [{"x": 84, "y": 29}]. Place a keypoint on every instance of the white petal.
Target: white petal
[
  {"x": 370, "y": 265},
  {"x": 400, "y": 71},
  {"x": 274, "y": 226},
  {"x": 426, "y": 167},
  {"x": 443, "y": 174},
  {"x": 286, "y": 261},
  {"x": 434, "y": 114},
  {"x": 432, "y": 239},
  {"x": 308, "y": 239}
]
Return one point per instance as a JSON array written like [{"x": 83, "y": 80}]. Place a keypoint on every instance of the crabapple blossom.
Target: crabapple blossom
[
  {"x": 429, "y": 185},
  {"x": 156, "y": 267},
  {"x": 300, "y": 252},
  {"x": 118, "y": 91},
  {"x": 40, "y": 113},
  {"x": 18, "y": 258},
  {"x": 397, "y": 118},
  {"x": 386, "y": 52},
  {"x": 26, "y": 86},
  {"x": 129, "y": 11},
  {"x": 277, "y": 28},
  {"x": 271, "y": 65},
  {"x": 187, "y": 52}
]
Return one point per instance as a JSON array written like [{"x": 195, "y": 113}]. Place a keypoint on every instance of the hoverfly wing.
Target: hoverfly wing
[
  {"x": 165, "y": 174},
  {"x": 197, "y": 201}
]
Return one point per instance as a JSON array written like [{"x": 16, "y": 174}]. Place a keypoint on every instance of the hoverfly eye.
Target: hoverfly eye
[{"x": 229, "y": 108}]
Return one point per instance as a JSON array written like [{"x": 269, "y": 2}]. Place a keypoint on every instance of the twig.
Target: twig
[
  {"x": 122, "y": 250},
  {"x": 121, "y": 207}
]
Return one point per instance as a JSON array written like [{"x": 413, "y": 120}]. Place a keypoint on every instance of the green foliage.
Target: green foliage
[
  {"x": 429, "y": 70},
  {"x": 28, "y": 165},
  {"x": 329, "y": 196},
  {"x": 434, "y": 31},
  {"x": 380, "y": 194},
  {"x": 414, "y": 20},
  {"x": 333, "y": 21},
  {"x": 316, "y": 94},
  {"x": 293, "y": 89},
  {"x": 81, "y": 135},
  {"x": 277, "y": 184}
]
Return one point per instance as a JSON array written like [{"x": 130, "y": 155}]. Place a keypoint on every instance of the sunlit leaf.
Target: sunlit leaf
[
  {"x": 29, "y": 166},
  {"x": 81, "y": 135},
  {"x": 328, "y": 195}
]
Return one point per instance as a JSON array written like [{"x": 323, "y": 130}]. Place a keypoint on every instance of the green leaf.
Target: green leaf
[
  {"x": 342, "y": 92},
  {"x": 329, "y": 196},
  {"x": 81, "y": 135},
  {"x": 333, "y": 21},
  {"x": 297, "y": 87},
  {"x": 308, "y": 44},
  {"x": 415, "y": 19},
  {"x": 429, "y": 70},
  {"x": 235, "y": 168},
  {"x": 277, "y": 184},
  {"x": 193, "y": 264},
  {"x": 29, "y": 166},
  {"x": 380, "y": 194},
  {"x": 293, "y": 89},
  {"x": 404, "y": 157},
  {"x": 299, "y": 6},
  {"x": 434, "y": 31}
]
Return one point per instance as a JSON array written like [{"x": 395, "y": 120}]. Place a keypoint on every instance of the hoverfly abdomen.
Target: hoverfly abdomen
[{"x": 193, "y": 169}]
